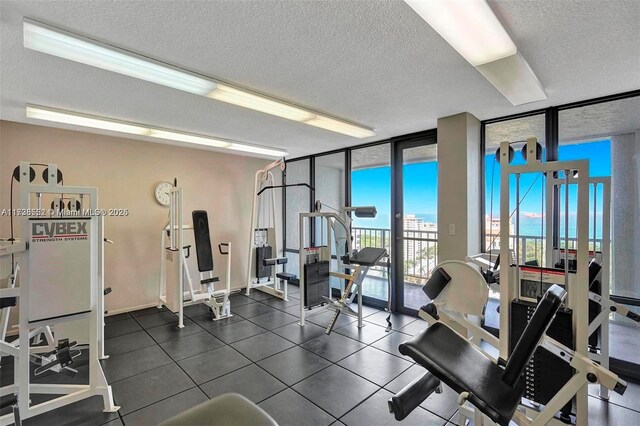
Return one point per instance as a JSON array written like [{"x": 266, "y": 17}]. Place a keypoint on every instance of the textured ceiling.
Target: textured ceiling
[
  {"x": 574, "y": 125},
  {"x": 373, "y": 62}
]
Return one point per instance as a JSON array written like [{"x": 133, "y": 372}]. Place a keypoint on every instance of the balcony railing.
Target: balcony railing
[{"x": 420, "y": 249}]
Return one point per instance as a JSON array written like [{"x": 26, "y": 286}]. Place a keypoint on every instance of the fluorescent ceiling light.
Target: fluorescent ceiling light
[
  {"x": 245, "y": 99},
  {"x": 258, "y": 150},
  {"x": 48, "y": 39},
  {"x": 70, "y": 47},
  {"x": 513, "y": 77},
  {"x": 469, "y": 26},
  {"x": 340, "y": 126},
  {"x": 189, "y": 138},
  {"x": 79, "y": 119}
]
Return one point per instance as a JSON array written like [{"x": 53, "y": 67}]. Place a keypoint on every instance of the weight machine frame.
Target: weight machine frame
[
  {"x": 176, "y": 252},
  {"x": 22, "y": 385}
]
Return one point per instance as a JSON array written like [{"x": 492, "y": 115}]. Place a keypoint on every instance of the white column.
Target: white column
[{"x": 459, "y": 184}]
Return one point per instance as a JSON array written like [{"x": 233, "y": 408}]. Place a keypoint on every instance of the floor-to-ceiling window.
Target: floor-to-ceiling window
[
  {"x": 297, "y": 200},
  {"x": 608, "y": 135},
  {"x": 531, "y": 202},
  {"x": 329, "y": 181},
  {"x": 371, "y": 186}
]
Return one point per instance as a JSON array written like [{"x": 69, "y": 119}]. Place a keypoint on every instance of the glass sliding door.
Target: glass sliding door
[
  {"x": 371, "y": 186},
  {"x": 415, "y": 220}
]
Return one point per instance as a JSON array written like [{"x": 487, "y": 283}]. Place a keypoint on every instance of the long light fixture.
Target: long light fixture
[
  {"x": 472, "y": 29},
  {"x": 86, "y": 120},
  {"x": 51, "y": 40}
]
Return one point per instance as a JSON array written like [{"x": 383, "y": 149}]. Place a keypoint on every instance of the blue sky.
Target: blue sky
[{"x": 373, "y": 186}]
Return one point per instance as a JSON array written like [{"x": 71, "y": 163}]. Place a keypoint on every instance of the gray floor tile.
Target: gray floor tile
[
  {"x": 375, "y": 365},
  {"x": 298, "y": 334},
  {"x": 250, "y": 381},
  {"x": 293, "y": 365},
  {"x": 191, "y": 345},
  {"x": 259, "y": 295},
  {"x": 251, "y": 310},
  {"x": 630, "y": 399},
  {"x": 127, "y": 343},
  {"x": 333, "y": 347},
  {"x": 115, "y": 422},
  {"x": 197, "y": 310},
  {"x": 274, "y": 319},
  {"x": 213, "y": 364},
  {"x": 374, "y": 412},
  {"x": 239, "y": 299},
  {"x": 131, "y": 363},
  {"x": 603, "y": 413},
  {"x": 288, "y": 408},
  {"x": 323, "y": 319},
  {"x": 398, "y": 320},
  {"x": 86, "y": 411},
  {"x": 281, "y": 304},
  {"x": 295, "y": 311},
  {"x": 236, "y": 331},
  {"x": 208, "y": 323},
  {"x": 335, "y": 390},
  {"x": 118, "y": 317},
  {"x": 413, "y": 328},
  {"x": 367, "y": 334},
  {"x": 444, "y": 404},
  {"x": 147, "y": 311},
  {"x": 159, "y": 318},
  {"x": 165, "y": 409},
  {"x": 261, "y": 346},
  {"x": 167, "y": 332},
  {"x": 120, "y": 328},
  {"x": 150, "y": 387},
  {"x": 391, "y": 342}
]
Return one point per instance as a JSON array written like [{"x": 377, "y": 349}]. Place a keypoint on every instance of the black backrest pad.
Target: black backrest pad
[
  {"x": 537, "y": 327},
  {"x": 436, "y": 283},
  {"x": 203, "y": 240}
]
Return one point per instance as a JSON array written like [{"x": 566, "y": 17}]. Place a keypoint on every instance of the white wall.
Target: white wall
[{"x": 125, "y": 172}]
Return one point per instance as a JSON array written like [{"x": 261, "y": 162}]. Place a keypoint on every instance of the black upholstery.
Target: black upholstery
[
  {"x": 203, "y": 240},
  {"x": 368, "y": 256},
  {"x": 285, "y": 276},
  {"x": 459, "y": 364},
  {"x": 537, "y": 327}
]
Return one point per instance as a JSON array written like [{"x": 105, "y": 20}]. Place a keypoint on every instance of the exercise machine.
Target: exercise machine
[
  {"x": 489, "y": 388},
  {"x": 339, "y": 248},
  {"x": 265, "y": 270},
  {"x": 58, "y": 289},
  {"x": 175, "y": 264}
]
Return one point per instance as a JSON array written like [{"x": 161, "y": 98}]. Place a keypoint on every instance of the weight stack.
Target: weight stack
[{"x": 545, "y": 374}]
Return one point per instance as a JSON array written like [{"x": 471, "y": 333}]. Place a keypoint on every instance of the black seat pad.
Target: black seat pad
[
  {"x": 285, "y": 276},
  {"x": 464, "y": 368},
  {"x": 368, "y": 256}
]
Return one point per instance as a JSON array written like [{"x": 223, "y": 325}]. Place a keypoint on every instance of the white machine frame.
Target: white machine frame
[
  {"x": 577, "y": 296},
  {"x": 174, "y": 296},
  {"x": 358, "y": 272},
  {"x": 461, "y": 303},
  {"x": 22, "y": 385},
  {"x": 273, "y": 286}
]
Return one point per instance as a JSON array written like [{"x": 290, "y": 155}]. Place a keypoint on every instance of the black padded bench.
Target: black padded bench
[{"x": 495, "y": 389}]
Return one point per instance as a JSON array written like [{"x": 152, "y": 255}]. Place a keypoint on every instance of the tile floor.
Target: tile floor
[{"x": 299, "y": 375}]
